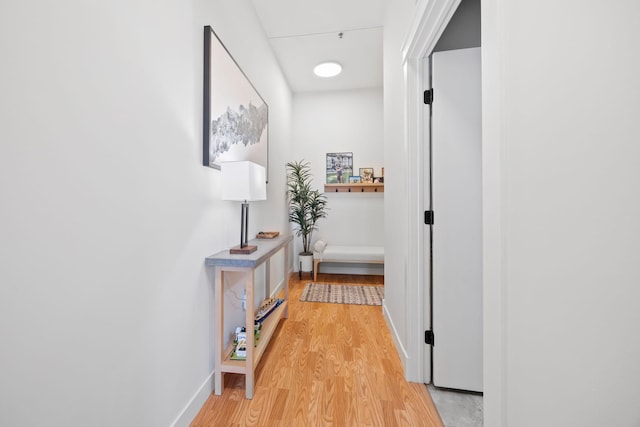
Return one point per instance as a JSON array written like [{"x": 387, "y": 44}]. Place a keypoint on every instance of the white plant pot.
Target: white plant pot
[{"x": 306, "y": 263}]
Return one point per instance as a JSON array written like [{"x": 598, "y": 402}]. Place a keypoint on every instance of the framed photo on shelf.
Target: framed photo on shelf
[
  {"x": 366, "y": 174},
  {"x": 355, "y": 179},
  {"x": 339, "y": 167}
]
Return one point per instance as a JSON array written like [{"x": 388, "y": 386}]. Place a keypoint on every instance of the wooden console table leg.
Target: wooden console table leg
[
  {"x": 250, "y": 317},
  {"x": 316, "y": 267},
  {"x": 267, "y": 278},
  {"x": 286, "y": 279},
  {"x": 219, "y": 350}
]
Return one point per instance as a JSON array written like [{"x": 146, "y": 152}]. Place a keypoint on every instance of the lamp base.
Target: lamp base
[{"x": 245, "y": 250}]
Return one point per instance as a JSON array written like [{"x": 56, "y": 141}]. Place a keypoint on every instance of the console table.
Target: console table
[{"x": 223, "y": 262}]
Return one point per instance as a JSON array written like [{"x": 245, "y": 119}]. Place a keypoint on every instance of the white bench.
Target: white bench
[{"x": 352, "y": 254}]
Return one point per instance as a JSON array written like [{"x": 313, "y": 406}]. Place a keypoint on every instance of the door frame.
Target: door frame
[{"x": 430, "y": 19}]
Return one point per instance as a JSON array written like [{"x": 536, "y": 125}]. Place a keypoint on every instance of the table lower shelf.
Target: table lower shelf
[{"x": 266, "y": 332}]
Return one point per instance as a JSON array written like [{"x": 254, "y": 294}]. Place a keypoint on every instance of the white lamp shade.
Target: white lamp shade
[{"x": 243, "y": 181}]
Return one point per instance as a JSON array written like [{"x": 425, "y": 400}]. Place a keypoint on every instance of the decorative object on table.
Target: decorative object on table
[
  {"x": 355, "y": 179},
  {"x": 267, "y": 234},
  {"x": 306, "y": 207},
  {"x": 235, "y": 123},
  {"x": 343, "y": 294},
  {"x": 266, "y": 308},
  {"x": 367, "y": 175},
  {"x": 240, "y": 350},
  {"x": 339, "y": 167},
  {"x": 243, "y": 182},
  {"x": 240, "y": 342}
]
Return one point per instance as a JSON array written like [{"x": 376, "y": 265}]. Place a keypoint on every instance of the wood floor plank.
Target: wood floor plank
[
  {"x": 277, "y": 410},
  {"x": 327, "y": 365},
  {"x": 388, "y": 414}
]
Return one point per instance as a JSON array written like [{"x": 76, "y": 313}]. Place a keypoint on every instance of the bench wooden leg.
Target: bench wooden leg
[{"x": 315, "y": 269}]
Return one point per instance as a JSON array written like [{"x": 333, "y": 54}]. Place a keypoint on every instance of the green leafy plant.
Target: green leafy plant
[{"x": 306, "y": 205}]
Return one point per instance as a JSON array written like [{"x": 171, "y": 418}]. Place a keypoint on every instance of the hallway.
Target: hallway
[{"x": 328, "y": 364}]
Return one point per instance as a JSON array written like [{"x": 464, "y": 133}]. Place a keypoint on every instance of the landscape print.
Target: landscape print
[
  {"x": 242, "y": 128},
  {"x": 236, "y": 118}
]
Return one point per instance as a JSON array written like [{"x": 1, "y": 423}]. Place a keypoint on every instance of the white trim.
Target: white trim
[
  {"x": 195, "y": 404},
  {"x": 415, "y": 227},
  {"x": 493, "y": 209},
  {"x": 430, "y": 20},
  {"x": 287, "y": 273},
  {"x": 274, "y": 293},
  {"x": 394, "y": 335}
]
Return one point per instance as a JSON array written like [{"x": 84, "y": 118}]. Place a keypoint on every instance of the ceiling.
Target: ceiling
[{"x": 304, "y": 33}]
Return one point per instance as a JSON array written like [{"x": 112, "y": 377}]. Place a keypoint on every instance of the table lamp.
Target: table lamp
[{"x": 244, "y": 182}]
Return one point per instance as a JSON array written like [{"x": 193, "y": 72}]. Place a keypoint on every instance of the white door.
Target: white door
[{"x": 457, "y": 230}]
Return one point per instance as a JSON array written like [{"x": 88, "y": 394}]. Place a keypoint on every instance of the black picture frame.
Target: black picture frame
[
  {"x": 235, "y": 116},
  {"x": 339, "y": 167}
]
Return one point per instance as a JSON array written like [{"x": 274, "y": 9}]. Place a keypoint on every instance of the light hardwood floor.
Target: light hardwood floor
[{"x": 327, "y": 365}]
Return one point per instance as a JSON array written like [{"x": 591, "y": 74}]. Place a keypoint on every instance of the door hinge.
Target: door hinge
[
  {"x": 428, "y": 96},
  {"x": 428, "y": 217},
  {"x": 428, "y": 337}
]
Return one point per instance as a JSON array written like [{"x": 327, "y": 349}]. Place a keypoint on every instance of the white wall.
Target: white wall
[
  {"x": 397, "y": 20},
  {"x": 561, "y": 177},
  {"x": 343, "y": 121},
  {"x": 107, "y": 214}
]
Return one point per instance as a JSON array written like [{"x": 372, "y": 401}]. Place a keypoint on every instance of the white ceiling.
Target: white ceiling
[{"x": 304, "y": 33}]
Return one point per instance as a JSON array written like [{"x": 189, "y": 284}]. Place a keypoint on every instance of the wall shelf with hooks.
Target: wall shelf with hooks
[{"x": 354, "y": 188}]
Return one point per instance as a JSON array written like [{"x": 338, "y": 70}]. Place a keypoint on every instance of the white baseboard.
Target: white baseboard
[
  {"x": 396, "y": 338},
  {"x": 278, "y": 288},
  {"x": 276, "y": 291},
  {"x": 195, "y": 404}
]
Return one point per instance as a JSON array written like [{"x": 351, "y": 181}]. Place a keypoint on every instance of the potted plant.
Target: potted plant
[{"x": 306, "y": 207}]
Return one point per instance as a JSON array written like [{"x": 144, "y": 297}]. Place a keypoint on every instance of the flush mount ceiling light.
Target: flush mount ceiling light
[{"x": 327, "y": 69}]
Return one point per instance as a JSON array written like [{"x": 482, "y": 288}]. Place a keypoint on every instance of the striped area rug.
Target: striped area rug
[{"x": 343, "y": 294}]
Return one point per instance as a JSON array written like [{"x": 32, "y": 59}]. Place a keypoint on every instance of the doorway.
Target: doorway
[
  {"x": 453, "y": 192},
  {"x": 452, "y": 136},
  {"x": 456, "y": 237}
]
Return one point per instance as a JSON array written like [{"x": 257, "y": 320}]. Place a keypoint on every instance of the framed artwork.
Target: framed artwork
[
  {"x": 236, "y": 118},
  {"x": 354, "y": 179},
  {"x": 339, "y": 167},
  {"x": 366, "y": 174}
]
